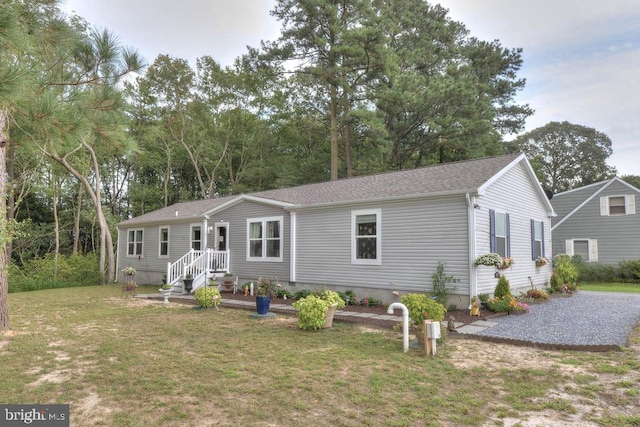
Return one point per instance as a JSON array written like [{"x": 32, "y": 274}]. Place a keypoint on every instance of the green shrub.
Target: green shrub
[
  {"x": 302, "y": 293},
  {"x": 503, "y": 289},
  {"x": 312, "y": 312},
  {"x": 204, "y": 296},
  {"x": 555, "y": 283},
  {"x": 281, "y": 293},
  {"x": 629, "y": 270},
  {"x": 331, "y": 297},
  {"x": 46, "y": 273},
  {"x": 419, "y": 304},
  {"x": 353, "y": 300},
  {"x": 564, "y": 267}
]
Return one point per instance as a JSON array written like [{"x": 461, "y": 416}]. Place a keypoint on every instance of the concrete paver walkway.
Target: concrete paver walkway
[{"x": 461, "y": 328}]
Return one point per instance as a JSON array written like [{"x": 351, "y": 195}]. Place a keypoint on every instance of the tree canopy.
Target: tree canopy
[{"x": 566, "y": 155}]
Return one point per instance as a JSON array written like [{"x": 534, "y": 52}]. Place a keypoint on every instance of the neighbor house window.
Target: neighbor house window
[
  {"x": 196, "y": 237},
  {"x": 499, "y": 233},
  {"x": 537, "y": 239},
  {"x": 587, "y": 249},
  {"x": 264, "y": 239},
  {"x": 365, "y": 237},
  {"x": 618, "y": 205},
  {"x": 163, "y": 238},
  {"x": 134, "y": 242}
]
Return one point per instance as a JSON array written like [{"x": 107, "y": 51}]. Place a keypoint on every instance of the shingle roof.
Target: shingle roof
[{"x": 446, "y": 178}]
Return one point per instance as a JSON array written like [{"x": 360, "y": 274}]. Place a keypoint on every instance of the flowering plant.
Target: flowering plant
[
  {"x": 267, "y": 288},
  {"x": 506, "y": 263},
  {"x": 490, "y": 259},
  {"x": 129, "y": 271},
  {"x": 541, "y": 261}
]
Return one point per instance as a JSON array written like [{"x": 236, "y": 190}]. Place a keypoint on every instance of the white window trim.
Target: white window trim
[
  {"x": 593, "y": 248},
  {"x": 202, "y": 240},
  {"x": 135, "y": 231},
  {"x": 160, "y": 241},
  {"x": 264, "y": 221},
  {"x": 629, "y": 205},
  {"x": 354, "y": 215}
]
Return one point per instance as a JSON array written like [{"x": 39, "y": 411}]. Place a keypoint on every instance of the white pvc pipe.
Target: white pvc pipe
[{"x": 405, "y": 323}]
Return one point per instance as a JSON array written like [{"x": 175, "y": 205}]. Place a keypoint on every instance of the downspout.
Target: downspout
[
  {"x": 471, "y": 227},
  {"x": 115, "y": 273},
  {"x": 292, "y": 248}
]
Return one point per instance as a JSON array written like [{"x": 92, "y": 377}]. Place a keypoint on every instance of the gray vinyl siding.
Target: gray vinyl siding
[
  {"x": 513, "y": 193},
  {"x": 617, "y": 236},
  {"x": 564, "y": 203},
  {"x": 150, "y": 266},
  {"x": 415, "y": 236},
  {"x": 236, "y": 216}
]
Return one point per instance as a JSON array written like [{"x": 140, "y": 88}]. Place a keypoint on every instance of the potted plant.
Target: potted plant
[
  {"x": 422, "y": 307},
  {"x": 228, "y": 280},
  {"x": 208, "y": 296},
  {"x": 316, "y": 310},
  {"x": 265, "y": 291},
  {"x": 188, "y": 282},
  {"x": 130, "y": 284},
  {"x": 166, "y": 289}
]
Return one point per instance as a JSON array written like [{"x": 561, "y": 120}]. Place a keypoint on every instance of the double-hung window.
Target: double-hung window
[
  {"x": 134, "y": 242},
  {"x": 618, "y": 205},
  {"x": 163, "y": 239},
  {"x": 537, "y": 239},
  {"x": 196, "y": 237},
  {"x": 365, "y": 237},
  {"x": 264, "y": 239},
  {"x": 587, "y": 249},
  {"x": 499, "y": 233}
]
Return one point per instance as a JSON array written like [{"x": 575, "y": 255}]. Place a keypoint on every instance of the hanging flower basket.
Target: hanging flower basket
[
  {"x": 506, "y": 263},
  {"x": 541, "y": 261},
  {"x": 491, "y": 259}
]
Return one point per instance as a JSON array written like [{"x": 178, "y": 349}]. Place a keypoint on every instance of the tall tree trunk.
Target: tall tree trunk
[
  {"x": 106, "y": 242},
  {"x": 11, "y": 195},
  {"x": 76, "y": 221},
  {"x": 333, "y": 111},
  {"x": 56, "y": 224},
  {"x": 4, "y": 231}
]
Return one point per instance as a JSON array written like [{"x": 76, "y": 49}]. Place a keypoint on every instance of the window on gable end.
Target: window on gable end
[
  {"x": 537, "y": 239},
  {"x": 500, "y": 240}
]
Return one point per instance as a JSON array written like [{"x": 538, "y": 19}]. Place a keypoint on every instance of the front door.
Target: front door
[{"x": 221, "y": 237}]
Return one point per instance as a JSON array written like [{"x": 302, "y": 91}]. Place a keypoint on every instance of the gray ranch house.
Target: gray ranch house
[
  {"x": 598, "y": 222},
  {"x": 371, "y": 234}
]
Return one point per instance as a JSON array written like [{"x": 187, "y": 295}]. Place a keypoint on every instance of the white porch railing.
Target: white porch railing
[{"x": 197, "y": 263}]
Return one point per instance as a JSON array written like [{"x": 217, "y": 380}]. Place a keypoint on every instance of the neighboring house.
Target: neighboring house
[
  {"x": 360, "y": 234},
  {"x": 598, "y": 222}
]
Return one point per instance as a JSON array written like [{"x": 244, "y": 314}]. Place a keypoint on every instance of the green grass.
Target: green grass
[
  {"x": 611, "y": 287},
  {"x": 123, "y": 362}
]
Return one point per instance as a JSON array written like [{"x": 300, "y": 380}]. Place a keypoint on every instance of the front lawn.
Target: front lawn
[
  {"x": 128, "y": 362},
  {"x": 611, "y": 287}
]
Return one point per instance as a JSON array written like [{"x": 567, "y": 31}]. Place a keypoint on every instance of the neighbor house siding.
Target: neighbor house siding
[
  {"x": 415, "y": 235},
  {"x": 236, "y": 216},
  {"x": 507, "y": 195},
  {"x": 617, "y": 236}
]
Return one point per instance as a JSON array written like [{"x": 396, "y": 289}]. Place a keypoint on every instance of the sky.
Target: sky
[{"x": 581, "y": 58}]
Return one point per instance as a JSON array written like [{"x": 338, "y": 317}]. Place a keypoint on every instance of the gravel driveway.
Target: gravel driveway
[{"x": 586, "y": 318}]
